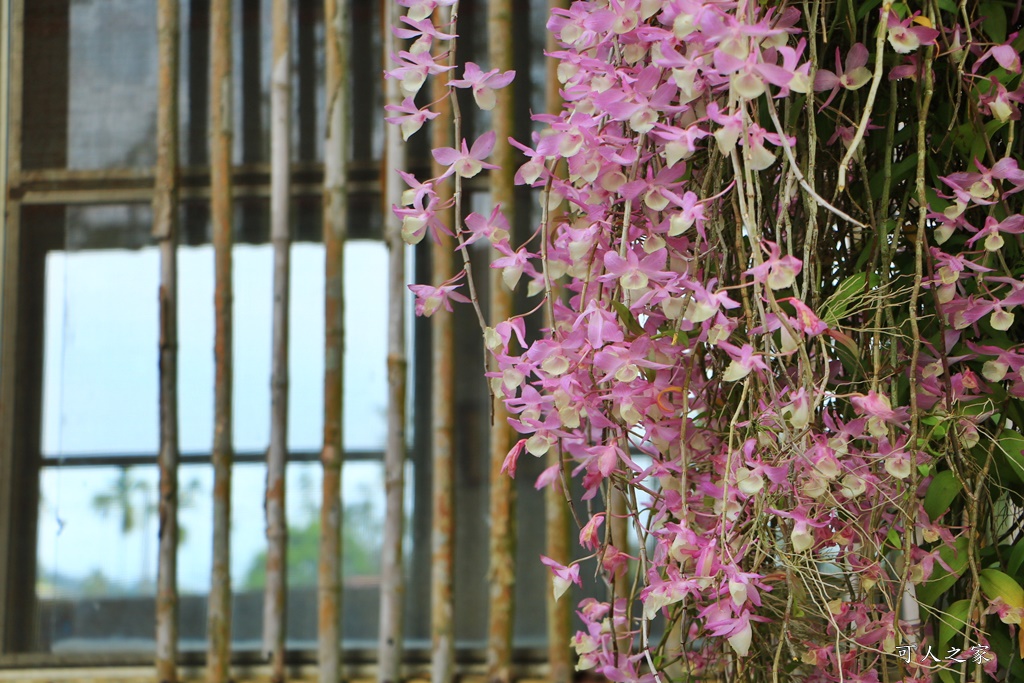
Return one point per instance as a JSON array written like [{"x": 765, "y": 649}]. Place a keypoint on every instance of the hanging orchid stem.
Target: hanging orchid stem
[{"x": 876, "y": 80}]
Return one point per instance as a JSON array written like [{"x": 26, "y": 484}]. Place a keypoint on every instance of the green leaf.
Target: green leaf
[
  {"x": 838, "y": 305},
  {"x": 952, "y": 622},
  {"x": 948, "y": 6},
  {"x": 941, "y": 493},
  {"x": 1016, "y": 558},
  {"x": 1011, "y": 444},
  {"x": 866, "y": 7},
  {"x": 993, "y": 21},
  {"x": 996, "y": 584},
  {"x": 627, "y": 318}
]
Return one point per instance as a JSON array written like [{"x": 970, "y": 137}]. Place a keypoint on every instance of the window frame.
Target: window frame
[
  {"x": 20, "y": 468},
  {"x": 20, "y": 472}
]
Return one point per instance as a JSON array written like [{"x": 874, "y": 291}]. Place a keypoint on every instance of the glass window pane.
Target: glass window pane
[
  {"x": 100, "y": 374},
  {"x": 100, "y": 386},
  {"x": 100, "y": 596},
  {"x": 90, "y": 83}
]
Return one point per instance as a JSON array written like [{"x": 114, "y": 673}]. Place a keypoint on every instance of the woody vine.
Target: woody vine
[{"x": 779, "y": 261}]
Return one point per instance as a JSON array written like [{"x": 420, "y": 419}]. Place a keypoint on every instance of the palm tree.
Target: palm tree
[{"x": 120, "y": 497}]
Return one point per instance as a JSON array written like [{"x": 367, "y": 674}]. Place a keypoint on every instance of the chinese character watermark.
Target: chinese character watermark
[{"x": 978, "y": 655}]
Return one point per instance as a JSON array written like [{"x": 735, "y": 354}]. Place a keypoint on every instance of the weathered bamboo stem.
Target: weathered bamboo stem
[
  {"x": 335, "y": 227},
  {"x": 219, "y": 629},
  {"x": 392, "y": 583},
  {"x": 559, "y": 612},
  {"x": 275, "y": 596},
  {"x": 501, "y": 613},
  {"x": 442, "y": 601},
  {"x": 165, "y": 231}
]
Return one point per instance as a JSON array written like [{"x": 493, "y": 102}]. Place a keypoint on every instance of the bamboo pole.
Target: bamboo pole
[
  {"x": 165, "y": 231},
  {"x": 392, "y": 583},
  {"x": 442, "y": 601},
  {"x": 335, "y": 227},
  {"x": 559, "y": 612},
  {"x": 219, "y": 629},
  {"x": 275, "y": 595},
  {"x": 501, "y": 613}
]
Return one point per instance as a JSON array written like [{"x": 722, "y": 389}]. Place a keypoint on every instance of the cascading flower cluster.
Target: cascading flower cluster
[{"x": 800, "y": 389}]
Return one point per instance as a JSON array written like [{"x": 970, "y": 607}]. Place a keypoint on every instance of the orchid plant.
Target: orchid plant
[{"x": 787, "y": 373}]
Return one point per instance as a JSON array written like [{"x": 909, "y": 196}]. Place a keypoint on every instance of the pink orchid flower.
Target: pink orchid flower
[
  {"x": 423, "y": 32},
  {"x": 905, "y": 36},
  {"x": 430, "y": 299},
  {"x": 422, "y": 9},
  {"x": 993, "y": 231},
  {"x": 1002, "y": 103},
  {"x": 777, "y": 271},
  {"x": 731, "y": 127},
  {"x": 851, "y": 77},
  {"x": 413, "y": 69},
  {"x": 419, "y": 216},
  {"x": 411, "y": 117},
  {"x": 980, "y": 187},
  {"x": 875, "y": 405},
  {"x": 757, "y": 156},
  {"x": 1005, "y": 54},
  {"x": 805, "y": 321},
  {"x": 589, "y": 537},
  {"x": 483, "y": 84},
  {"x": 495, "y": 228},
  {"x": 632, "y": 272},
  {"x": 749, "y": 78},
  {"x": 680, "y": 143},
  {"x": 721, "y": 621},
  {"x": 508, "y": 466},
  {"x": 657, "y": 189},
  {"x": 564, "y": 576},
  {"x": 1016, "y": 295},
  {"x": 744, "y": 360},
  {"x": 468, "y": 162},
  {"x": 512, "y": 263},
  {"x": 802, "y": 536}
]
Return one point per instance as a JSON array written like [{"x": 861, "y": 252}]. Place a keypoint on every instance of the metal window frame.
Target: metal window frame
[{"x": 62, "y": 186}]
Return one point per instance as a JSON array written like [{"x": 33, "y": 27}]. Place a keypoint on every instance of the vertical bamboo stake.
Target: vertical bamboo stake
[
  {"x": 335, "y": 227},
  {"x": 219, "y": 629},
  {"x": 275, "y": 597},
  {"x": 559, "y": 612},
  {"x": 442, "y": 605},
  {"x": 165, "y": 231},
  {"x": 392, "y": 583},
  {"x": 501, "y": 614}
]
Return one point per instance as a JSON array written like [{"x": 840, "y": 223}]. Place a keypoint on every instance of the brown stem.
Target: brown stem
[
  {"x": 219, "y": 629},
  {"x": 165, "y": 230},
  {"x": 275, "y": 590},
  {"x": 335, "y": 228}
]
